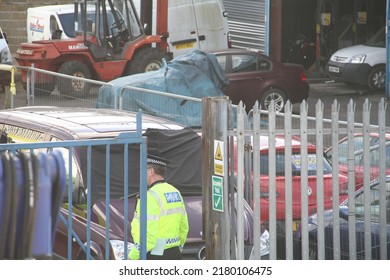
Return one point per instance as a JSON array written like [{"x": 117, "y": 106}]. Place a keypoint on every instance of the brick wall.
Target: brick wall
[{"x": 13, "y": 18}]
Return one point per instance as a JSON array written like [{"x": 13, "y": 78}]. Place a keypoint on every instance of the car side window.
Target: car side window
[
  {"x": 77, "y": 182},
  {"x": 53, "y": 24},
  {"x": 375, "y": 154},
  {"x": 222, "y": 62},
  {"x": 343, "y": 151},
  {"x": 295, "y": 165},
  {"x": 374, "y": 204},
  {"x": 18, "y": 134},
  {"x": 244, "y": 63},
  {"x": 264, "y": 165},
  {"x": 388, "y": 156}
]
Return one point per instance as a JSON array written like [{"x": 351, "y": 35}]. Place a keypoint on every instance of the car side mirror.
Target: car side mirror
[{"x": 343, "y": 212}]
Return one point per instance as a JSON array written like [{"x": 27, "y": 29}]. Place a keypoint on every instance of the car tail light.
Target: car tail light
[{"x": 303, "y": 76}]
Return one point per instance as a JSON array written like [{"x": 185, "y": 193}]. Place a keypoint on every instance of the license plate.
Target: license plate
[
  {"x": 185, "y": 46},
  {"x": 334, "y": 69}
]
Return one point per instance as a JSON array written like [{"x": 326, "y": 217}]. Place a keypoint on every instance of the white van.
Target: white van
[
  {"x": 192, "y": 24},
  {"x": 43, "y": 21},
  {"x": 363, "y": 64},
  {"x": 5, "y": 54},
  {"x": 5, "y": 58}
]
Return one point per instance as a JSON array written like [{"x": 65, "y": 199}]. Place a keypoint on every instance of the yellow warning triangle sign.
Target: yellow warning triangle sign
[{"x": 218, "y": 153}]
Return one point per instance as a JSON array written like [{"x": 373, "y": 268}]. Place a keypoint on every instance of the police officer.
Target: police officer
[{"x": 167, "y": 222}]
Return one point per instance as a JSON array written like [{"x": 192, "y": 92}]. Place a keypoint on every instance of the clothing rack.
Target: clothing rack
[{"x": 32, "y": 187}]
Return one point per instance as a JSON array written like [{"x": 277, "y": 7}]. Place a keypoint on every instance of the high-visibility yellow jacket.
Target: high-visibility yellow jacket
[{"x": 166, "y": 219}]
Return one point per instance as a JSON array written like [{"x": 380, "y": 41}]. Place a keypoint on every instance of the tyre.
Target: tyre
[
  {"x": 273, "y": 94},
  {"x": 377, "y": 78},
  {"x": 74, "y": 87},
  {"x": 43, "y": 89},
  {"x": 313, "y": 255},
  {"x": 145, "y": 60}
]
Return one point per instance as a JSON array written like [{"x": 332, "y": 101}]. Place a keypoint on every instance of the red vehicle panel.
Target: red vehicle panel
[{"x": 296, "y": 180}]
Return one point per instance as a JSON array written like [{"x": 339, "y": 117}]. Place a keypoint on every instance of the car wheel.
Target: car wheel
[
  {"x": 149, "y": 59},
  {"x": 377, "y": 78},
  {"x": 273, "y": 94},
  {"x": 74, "y": 87}
]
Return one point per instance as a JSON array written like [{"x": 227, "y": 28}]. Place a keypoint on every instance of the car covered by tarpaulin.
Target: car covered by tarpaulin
[
  {"x": 181, "y": 149},
  {"x": 196, "y": 74}
]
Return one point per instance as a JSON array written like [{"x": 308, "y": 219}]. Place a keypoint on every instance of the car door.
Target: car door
[{"x": 246, "y": 73}]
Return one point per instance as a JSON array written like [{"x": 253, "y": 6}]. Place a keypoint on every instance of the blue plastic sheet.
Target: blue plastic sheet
[{"x": 196, "y": 74}]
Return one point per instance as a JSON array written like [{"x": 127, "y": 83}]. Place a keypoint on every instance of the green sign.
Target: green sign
[{"x": 217, "y": 196}]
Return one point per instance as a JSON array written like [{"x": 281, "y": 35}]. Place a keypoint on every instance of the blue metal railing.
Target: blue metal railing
[{"x": 124, "y": 139}]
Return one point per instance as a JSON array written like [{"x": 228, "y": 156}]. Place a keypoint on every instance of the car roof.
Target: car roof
[
  {"x": 234, "y": 50},
  {"x": 82, "y": 123},
  {"x": 371, "y": 134},
  {"x": 280, "y": 144}
]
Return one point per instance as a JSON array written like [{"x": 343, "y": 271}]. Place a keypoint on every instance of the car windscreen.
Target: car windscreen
[
  {"x": 296, "y": 164},
  {"x": 378, "y": 39}
]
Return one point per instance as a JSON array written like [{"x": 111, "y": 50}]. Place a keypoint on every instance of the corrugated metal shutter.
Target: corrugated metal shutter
[{"x": 247, "y": 23}]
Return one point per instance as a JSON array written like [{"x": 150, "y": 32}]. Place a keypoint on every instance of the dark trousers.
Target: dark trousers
[{"x": 169, "y": 254}]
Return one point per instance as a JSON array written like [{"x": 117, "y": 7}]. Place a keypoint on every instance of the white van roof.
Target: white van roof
[{"x": 59, "y": 9}]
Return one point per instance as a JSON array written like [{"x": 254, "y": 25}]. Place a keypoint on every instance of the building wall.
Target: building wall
[{"x": 13, "y": 18}]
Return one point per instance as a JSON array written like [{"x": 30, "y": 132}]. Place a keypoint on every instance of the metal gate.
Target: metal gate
[
  {"x": 283, "y": 154},
  {"x": 76, "y": 226}
]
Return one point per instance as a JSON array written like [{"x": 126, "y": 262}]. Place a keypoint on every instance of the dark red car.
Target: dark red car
[{"x": 257, "y": 77}]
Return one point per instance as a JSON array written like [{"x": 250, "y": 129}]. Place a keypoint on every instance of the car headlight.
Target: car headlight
[
  {"x": 6, "y": 56},
  {"x": 264, "y": 245},
  {"x": 358, "y": 58},
  {"x": 118, "y": 247}
]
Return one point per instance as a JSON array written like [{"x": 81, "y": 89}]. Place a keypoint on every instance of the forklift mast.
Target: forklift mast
[{"x": 107, "y": 24}]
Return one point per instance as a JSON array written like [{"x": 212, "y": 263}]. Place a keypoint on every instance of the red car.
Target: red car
[
  {"x": 296, "y": 183},
  {"x": 257, "y": 77},
  {"x": 358, "y": 149}
]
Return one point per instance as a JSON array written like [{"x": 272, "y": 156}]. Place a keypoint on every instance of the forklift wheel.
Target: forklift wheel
[
  {"x": 145, "y": 60},
  {"x": 74, "y": 87}
]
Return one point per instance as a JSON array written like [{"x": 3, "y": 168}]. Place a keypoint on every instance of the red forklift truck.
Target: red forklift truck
[{"x": 109, "y": 42}]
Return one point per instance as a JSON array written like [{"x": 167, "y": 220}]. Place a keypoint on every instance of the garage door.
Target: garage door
[{"x": 247, "y": 23}]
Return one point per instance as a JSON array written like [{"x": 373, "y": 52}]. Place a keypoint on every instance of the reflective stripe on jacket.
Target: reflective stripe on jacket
[{"x": 166, "y": 219}]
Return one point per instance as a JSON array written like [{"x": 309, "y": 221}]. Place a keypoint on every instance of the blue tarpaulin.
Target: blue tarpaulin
[{"x": 196, "y": 74}]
